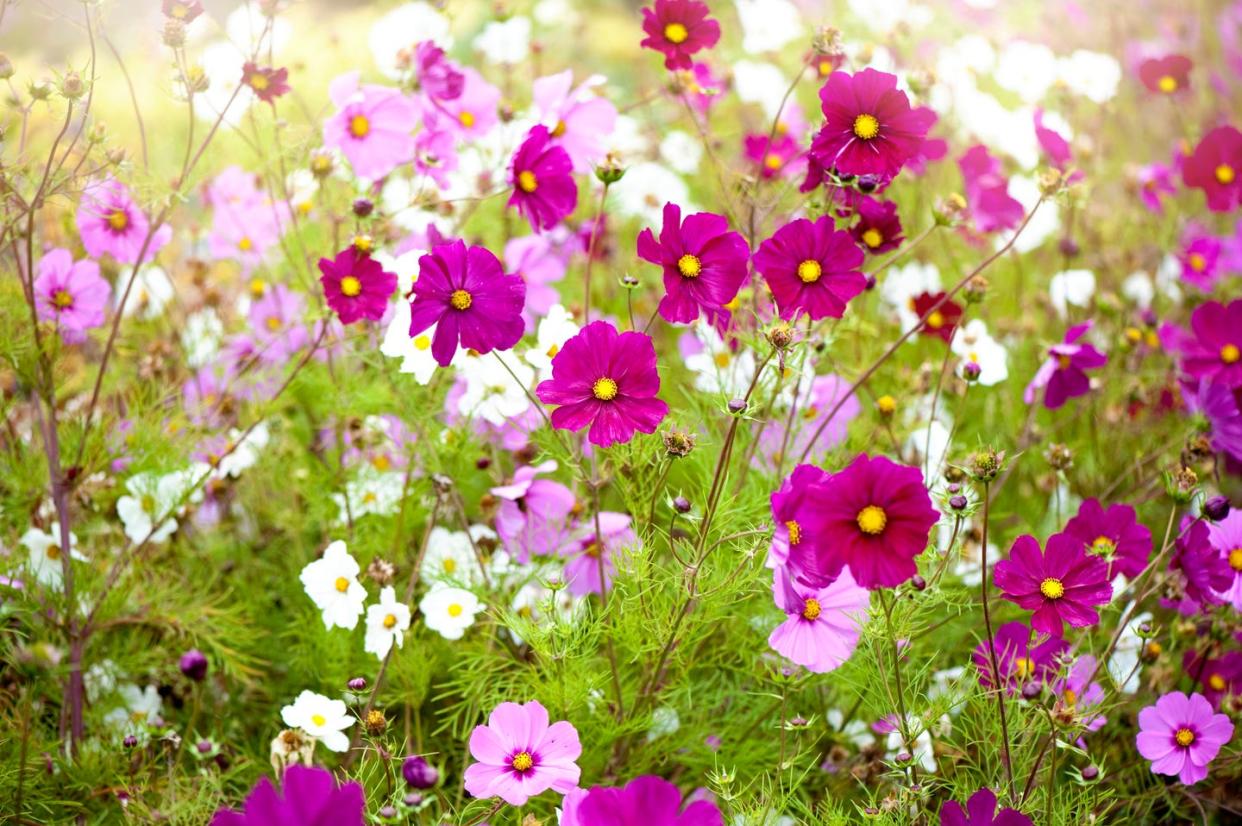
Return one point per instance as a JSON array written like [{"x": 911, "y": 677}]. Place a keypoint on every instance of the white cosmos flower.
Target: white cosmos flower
[
  {"x": 450, "y": 558},
  {"x": 664, "y": 721},
  {"x": 886, "y": 16},
  {"x": 151, "y": 497},
  {"x": 45, "y": 562},
  {"x": 226, "y": 97},
  {"x": 1123, "y": 664},
  {"x": 973, "y": 343},
  {"x": 414, "y": 352},
  {"x": 903, "y": 284},
  {"x": 387, "y": 621},
  {"x": 151, "y": 292},
  {"x": 1094, "y": 75},
  {"x": 682, "y": 151},
  {"x": 767, "y": 25},
  {"x": 200, "y": 338},
  {"x": 506, "y": 42},
  {"x": 332, "y": 584},
  {"x": 922, "y": 745},
  {"x": 556, "y": 328},
  {"x": 139, "y": 708},
  {"x": 491, "y": 393},
  {"x": 717, "y": 369},
  {"x": 1071, "y": 287},
  {"x": 761, "y": 83},
  {"x": 646, "y": 188},
  {"x": 449, "y": 611},
  {"x": 1028, "y": 69},
  {"x": 246, "y": 451},
  {"x": 321, "y": 717},
  {"x": 394, "y": 36},
  {"x": 371, "y": 491}
]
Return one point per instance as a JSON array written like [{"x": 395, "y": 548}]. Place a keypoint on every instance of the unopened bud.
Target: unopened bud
[
  {"x": 357, "y": 684},
  {"x": 71, "y": 86},
  {"x": 681, "y": 504}
]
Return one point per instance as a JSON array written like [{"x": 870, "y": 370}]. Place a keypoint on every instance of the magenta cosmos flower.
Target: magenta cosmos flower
[
  {"x": 311, "y": 798},
  {"x": 787, "y": 502},
  {"x": 811, "y": 268},
  {"x": 1213, "y": 351},
  {"x": 534, "y": 513},
  {"x": 542, "y": 178},
  {"x": 519, "y": 755},
  {"x": 823, "y": 624},
  {"x": 1115, "y": 535},
  {"x": 356, "y": 286},
  {"x": 435, "y": 75},
  {"x": 373, "y": 126},
  {"x": 466, "y": 294},
  {"x": 1166, "y": 75},
  {"x": 869, "y": 127},
  {"x": 991, "y": 206},
  {"x": 1180, "y": 735},
  {"x": 644, "y": 801},
  {"x": 878, "y": 228},
  {"x": 981, "y": 811},
  {"x": 607, "y": 380},
  {"x": 110, "y": 223},
  {"x": 1063, "y": 375},
  {"x": 1226, "y": 538},
  {"x": 678, "y": 29},
  {"x": 1219, "y": 677},
  {"x": 704, "y": 264},
  {"x": 70, "y": 294},
  {"x": 267, "y": 83},
  {"x": 1017, "y": 663},
  {"x": 874, "y": 516},
  {"x": 1060, "y": 584},
  {"x": 1216, "y": 167}
]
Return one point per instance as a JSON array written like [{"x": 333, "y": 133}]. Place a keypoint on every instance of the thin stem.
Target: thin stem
[
  {"x": 903, "y": 724},
  {"x": 987, "y": 625},
  {"x": 586, "y": 279}
]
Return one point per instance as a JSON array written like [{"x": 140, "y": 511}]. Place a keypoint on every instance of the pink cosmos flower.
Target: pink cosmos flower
[
  {"x": 1180, "y": 735},
  {"x": 644, "y": 801},
  {"x": 1060, "y": 584},
  {"x": 182, "y": 10},
  {"x": 704, "y": 265},
  {"x": 373, "y": 126},
  {"x": 815, "y": 403},
  {"x": 1055, "y": 147},
  {"x": 1223, "y": 410},
  {"x": 869, "y": 127},
  {"x": 823, "y": 625},
  {"x": 1115, "y": 535},
  {"x": 277, "y": 319},
  {"x": 1167, "y": 75},
  {"x": 811, "y": 268},
  {"x": 1200, "y": 259},
  {"x": 607, "y": 380},
  {"x": 1063, "y": 375},
  {"x": 787, "y": 503},
  {"x": 578, "y": 121},
  {"x": 70, "y": 294},
  {"x": 1216, "y": 167},
  {"x": 311, "y": 796},
  {"x": 583, "y": 565},
  {"x": 266, "y": 82},
  {"x": 1219, "y": 677},
  {"x": 1155, "y": 181},
  {"x": 678, "y": 29},
  {"x": 878, "y": 228},
  {"x": 1204, "y": 572},
  {"x": 534, "y": 259},
  {"x": 1079, "y": 697},
  {"x": 435, "y": 75},
  {"x": 473, "y": 113},
  {"x": 110, "y": 223},
  {"x": 772, "y": 158},
  {"x": 534, "y": 513},
  {"x": 1226, "y": 538},
  {"x": 466, "y": 294},
  {"x": 245, "y": 223},
  {"x": 520, "y": 756},
  {"x": 981, "y": 811},
  {"x": 356, "y": 286},
  {"x": 991, "y": 206},
  {"x": 542, "y": 178},
  {"x": 932, "y": 149},
  {"x": 1017, "y": 663},
  {"x": 435, "y": 152},
  {"x": 874, "y": 516},
  {"x": 1213, "y": 348}
]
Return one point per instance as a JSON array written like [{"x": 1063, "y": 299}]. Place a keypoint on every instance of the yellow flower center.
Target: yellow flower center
[
  {"x": 1103, "y": 546},
  {"x": 1023, "y": 667},
  {"x": 936, "y": 320},
  {"x": 455, "y": 610},
  {"x": 258, "y": 82},
  {"x": 341, "y": 584},
  {"x": 722, "y": 360},
  {"x": 245, "y": 244},
  {"x": 527, "y": 182},
  {"x": 461, "y": 300},
  {"x": 1235, "y": 559},
  {"x": 257, "y": 287},
  {"x": 872, "y": 519},
  {"x": 118, "y": 219},
  {"x": 809, "y": 271},
  {"x": 1230, "y": 353},
  {"x": 866, "y": 126},
  {"x": 449, "y": 565},
  {"x": 62, "y": 299},
  {"x": 53, "y": 552},
  {"x": 273, "y": 323},
  {"x": 1167, "y": 84},
  {"x": 811, "y": 610},
  {"x": 689, "y": 266},
  {"x": 1052, "y": 588},
  {"x": 1216, "y": 682},
  {"x": 350, "y": 286},
  {"x": 676, "y": 33},
  {"x": 773, "y": 161},
  {"x": 604, "y": 389},
  {"x": 559, "y": 129},
  {"x": 522, "y": 761},
  {"x": 795, "y": 531},
  {"x": 1197, "y": 262},
  {"x": 422, "y": 343},
  {"x": 465, "y": 118},
  {"x": 553, "y": 350},
  {"x": 359, "y": 126},
  {"x": 873, "y": 238},
  {"x": 1184, "y": 737},
  {"x": 886, "y": 405},
  {"x": 1064, "y": 362},
  {"x": 390, "y": 620},
  {"x": 319, "y": 720},
  {"x": 1225, "y": 174}
]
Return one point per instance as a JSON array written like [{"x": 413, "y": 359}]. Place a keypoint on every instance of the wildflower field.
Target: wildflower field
[{"x": 747, "y": 412}]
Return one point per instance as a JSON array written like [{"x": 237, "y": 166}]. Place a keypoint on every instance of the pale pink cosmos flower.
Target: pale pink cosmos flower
[
  {"x": 373, "y": 126},
  {"x": 823, "y": 624},
  {"x": 577, "y": 119},
  {"x": 473, "y": 114},
  {"x": 71, "y": 294},
  {"x": 520, "y": 756},
  {"x": 110, "y": 223}
]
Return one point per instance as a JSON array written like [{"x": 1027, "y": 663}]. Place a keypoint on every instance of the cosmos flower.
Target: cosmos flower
[
  {"x": 644, "y": 801},
  {"x": 1155, "y": 182},
  {"x": 46, "y": 563},
  {"x": 811, "y": 268},
  {"x": 1114, "y": 535},
  {"x": 110, "y": 223},
  {"x": 1180, "y": 735},
  {"x": 583, "y": 568},
  {"x": 607, "y": 380},
  {"x": 542, "y": 178},
  {"x": 277, "y": 320},
  {"x": 1212, "y": 350},
  {"x": 1060, "y": 584},
  {"x": 1226, "y": 538},
  {"x": 1017, "y": 663},
  {"x": 373, "y": 126},
  {"x": 449, "y": 611},
  {"x": 878, "y": 228},
  {"x": 942, "y": 321},
  {"x": 1201, "y": 257},
  {"x": 70, "y": 294},
  {"x": 772, "y": 158},
  {"x": 311, "y": 796},
  {"x": 991, "y": 206},
  {"x": 678, "y": 29},
  {"x": 816, "y": 400},
  {"x": 356, "y": 285},
  {"x": 869, "y": 127},
  {"x": 268, "y": 83},
  {"x": 534, "y": 513},
  {"x": 1063, "y": 375},
  {"x": 182, "y": 10},
  {"x": 1220, "y": 406},
  {"x": 1216, "y": 167},
  {"x": 704, "y": 264},
  {"x": 874, "y": 516},
  {"x": 823, "y": 624},
  {"x": 1076, "y": 696},
  {"x": 321, "y": 717},
  {"x": 435, "y": 75},
  {"x": 981, "y": 811},
  {"x": 387, "y": 622},
  {"x": 578, "y": 120},
  {"x": 520, "y": 756},
  {"x": 1206, "y": 573},
  {"x": 332, "y": 584},
  {"x": 473, "y": 113},
  {"x": 1168, "y": 75},
  {"x": 787, "y": 502},
  {"x": 466, "y": 294},
  {"x": 1219, "y": 677}
]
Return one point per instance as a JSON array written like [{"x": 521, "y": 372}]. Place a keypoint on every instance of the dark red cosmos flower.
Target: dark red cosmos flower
[
  {"x": 878, "y": 228},
  {"x": 183, "y": 10},
  {"x": 943, "y": 321},
  {"x": 542, "y": 177},
  {"x": 678, "y": 29},
  {"x": 869, "y": 127},
  {"x": 1216, "y": 168},
  {"x": 267, "y": 83},
  {"x": 1166, "y": 75}
]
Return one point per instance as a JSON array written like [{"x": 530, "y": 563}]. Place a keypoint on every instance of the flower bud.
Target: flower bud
[
  {"x": 363, "y": 207},
  {"x": 387, "y": 812},
  {"x": 958, "y": 502},
  {"x": 918, "y": 583},
  {"x": 985, "y": 465},
  {"x": 375, "y": 722},
  {"x": 976, "y": 290},
  {"x": 71, "y": 86},
  {"x": 357, "y": 684},
  {"x": 781, "y": 336},
  {"x": 418, "y": 773},
  {"x": 737, "y": 406},
  {"x": 1050, "y": 182},
  {"x": 1059, "y": 456},
  {"x": 40, "y": 90},
  {"x": 6, "y": 67},
  {"x": 1216, "y": 508},
  {"x": 971, "y": 371},
  {"x": 681, "y": 504},
  {"x": 193, "y": 664},
  {"x": 678, "y": 444},
  {"x": 1090, "y": 772},
  {"x": 886, "y": 406},
  {"x": 610, "y": 171},
  {"x": 1032, "y": 690},
  {"x": 130, "y": 741},
  {"x": 321, "y": 163},
  {"x": 174, "y": 34}
]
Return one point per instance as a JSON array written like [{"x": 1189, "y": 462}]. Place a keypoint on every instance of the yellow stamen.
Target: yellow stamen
[
  {"x": 872, "y": 519},
  {"x": 389, "y": 621},
  {"x": 258, "y": 82},
  {"x": 1225, "y": 174},
  {"x": 1023, "y": 667},
  {"x": 676, "y": 33},
  {"x": 341, "y": 584},
  {"x": 1230, "y": 353},
  {"x": 461, "y": 300},
  {"x": 527, "y": 182},
  {"x": 773, "y": 161},
  {"x": 422, "y": 343},
  {"x": 795, "y": 531},
  {"x": 936, "y": 320},
  {"x": 1052, "y": 588},
  {"x": 866, "y": 127},
  {"x": 522, "y": 762},
  {"x": 465, "y": 118},
  {"x": 350, "y": 286},
  {"x": 1216, "y": 682},
  {"x": 245, "y": 244},
  {"x": 811, "y": 610},
  {"x": 1197, "y": 262},
  {"x": 604, "y": 389},
  {"x": 873, "y": 238},
  {"x": 722, "y": 360},
  {"x": 1235, "y": 559},
  {"x": 62, "y": 299},
  {"x": 886, "y": 405},
  {"x": 455, "y": 610},
  {"x": 319, "y": 720},
  {"x": 359, "y": 126},
  {"x": 689, "y": 266},
  {"x": 1167, "y": 84},
  {"x": 809, "y": 271},
  {"x": 118, "y": 220},
  {"x": 559, "y": 129},
  {"x": 1184, "y": 737}
]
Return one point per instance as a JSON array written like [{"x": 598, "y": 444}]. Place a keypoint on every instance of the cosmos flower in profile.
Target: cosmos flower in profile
[
  {"x": 981, "y": 811},
  {"x": 1017, "y": 662},
  {"x": 1063, "y": 375},
  {"x": 266, "y": 82},
  {"x": 823, "y": 624},
  {"x": 869, "y": 127},
  {"x": 678, "y": 29}
]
